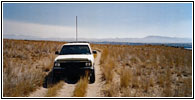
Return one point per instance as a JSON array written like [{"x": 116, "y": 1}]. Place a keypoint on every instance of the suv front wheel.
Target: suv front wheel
[{"x": 92, "y": 77}]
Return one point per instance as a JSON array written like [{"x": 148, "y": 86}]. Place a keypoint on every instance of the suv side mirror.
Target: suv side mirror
[
  {"x": 57, "y": 53},
  {"x": 94, "y": 52}
]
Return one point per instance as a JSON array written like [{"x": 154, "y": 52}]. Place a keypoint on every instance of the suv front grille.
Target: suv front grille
[{"x": 70, "y": 65}]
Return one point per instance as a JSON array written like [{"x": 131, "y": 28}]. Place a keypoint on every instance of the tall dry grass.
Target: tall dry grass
[
  {"x": 125, "y": 78},
  {"x": 81, "y": 87},
  {"x": 25, "y": 64},
  {"x": 153, "y": 70},
  {"x": 144, "y": 71}
]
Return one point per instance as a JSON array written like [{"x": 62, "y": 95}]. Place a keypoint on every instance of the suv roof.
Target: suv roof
[
  {"x": 75, "y": 43},
  {"x": 79, "y": 42}
]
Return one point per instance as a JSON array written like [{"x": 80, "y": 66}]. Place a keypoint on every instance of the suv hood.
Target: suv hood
[{"x": 75, "y": 57}]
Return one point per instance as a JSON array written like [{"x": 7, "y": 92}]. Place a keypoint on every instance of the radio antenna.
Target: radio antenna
[{"x": 76, "y": 28}]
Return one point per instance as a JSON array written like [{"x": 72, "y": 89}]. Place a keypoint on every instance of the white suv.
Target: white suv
[{"x": 74, "y": 60}]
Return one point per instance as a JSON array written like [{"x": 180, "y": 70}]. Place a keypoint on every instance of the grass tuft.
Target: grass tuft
[
  {"x": 53, "y": 90},
  {"x": 125, "y": 78},
  {"x": 81, "y": 87}
]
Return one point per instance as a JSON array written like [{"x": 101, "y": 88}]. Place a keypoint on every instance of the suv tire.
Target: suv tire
[{"x": 92, "y": 77}]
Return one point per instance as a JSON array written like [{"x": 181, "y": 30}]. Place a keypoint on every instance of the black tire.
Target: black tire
[
  {"x": 52, "y": 78},
  {"x": 55, "y": 78},
  {"x": 45, "y": 83},
  {"x": 49, "y": 81},
  {"x": 92, "y": 77}
]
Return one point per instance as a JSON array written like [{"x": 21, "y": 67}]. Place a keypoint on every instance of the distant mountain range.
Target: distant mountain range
[{"x": 148, "y": 39}]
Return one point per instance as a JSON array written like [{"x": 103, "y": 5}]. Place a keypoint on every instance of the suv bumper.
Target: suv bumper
[
  {"x": 60, "y": 71},
  {"x": 61, "y": 68}
]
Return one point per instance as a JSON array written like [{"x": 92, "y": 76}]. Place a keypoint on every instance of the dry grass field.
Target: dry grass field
[
  {"x": 146, "y": 71},
  {"x": 128, "y": 71},
  {"x": 25, "y": 64}
]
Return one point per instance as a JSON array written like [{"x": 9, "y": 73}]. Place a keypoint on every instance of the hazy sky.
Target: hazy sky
[{"x": 98, "y": 20}]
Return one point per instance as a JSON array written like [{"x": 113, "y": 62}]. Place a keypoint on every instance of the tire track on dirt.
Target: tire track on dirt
[
  {"x": 66, "y": 91},
  {"x": 94, "y": 90},
  {"x": 40, "y": 92}
]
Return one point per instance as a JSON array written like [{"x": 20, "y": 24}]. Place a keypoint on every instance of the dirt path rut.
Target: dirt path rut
[
  {"x": 41, "y": 92},
  {"x": 66, "y": 91},
  {"x": 94, "y": 90}
]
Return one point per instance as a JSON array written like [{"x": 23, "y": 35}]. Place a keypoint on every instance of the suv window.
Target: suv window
[{"x": 75, "y": 49}]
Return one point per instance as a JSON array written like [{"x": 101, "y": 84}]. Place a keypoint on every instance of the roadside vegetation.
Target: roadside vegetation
[
  {"x": 127, "y": 71},
  {"x": 146, "y": 71},
  {"x": 25, "y": 64}
]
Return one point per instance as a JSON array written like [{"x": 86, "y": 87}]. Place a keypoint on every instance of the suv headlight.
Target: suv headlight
[
  {"x": 88, "y": 64},
  {"x": 56, "y": 64}
]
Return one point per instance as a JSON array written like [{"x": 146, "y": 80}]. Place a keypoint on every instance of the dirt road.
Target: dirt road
[
  {"x": 94, "y": 90},
  {"x": 67, "y": 89},
  {"x": 41, "y": 92}
]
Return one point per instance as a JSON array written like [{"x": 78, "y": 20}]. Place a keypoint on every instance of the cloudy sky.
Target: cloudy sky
[{"x": 98, "y": 20}]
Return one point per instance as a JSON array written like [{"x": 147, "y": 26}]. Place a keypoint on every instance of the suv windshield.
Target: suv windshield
[{"x": 75, "y": 49}]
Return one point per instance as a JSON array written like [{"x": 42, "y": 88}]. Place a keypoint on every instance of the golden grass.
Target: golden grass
[
  {"x": 135, "y": 82},
  {"x": 25, "y": 63},
  {"x": 107, "y": 63},
  {"x": 94, "y": 55},
  {"x": 125, "y": 78},
  {"x": 159, "y": 66},
  {"x": 52, "y": 92},
  {"x": 81, "y": 87},
  {"x": 111, "y": 90},
  {"x": 107, "y": 70},
  {"x": 145, "y": 85}
]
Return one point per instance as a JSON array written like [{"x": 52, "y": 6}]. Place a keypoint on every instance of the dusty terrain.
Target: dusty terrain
[{"x": 121, "y": 71}]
